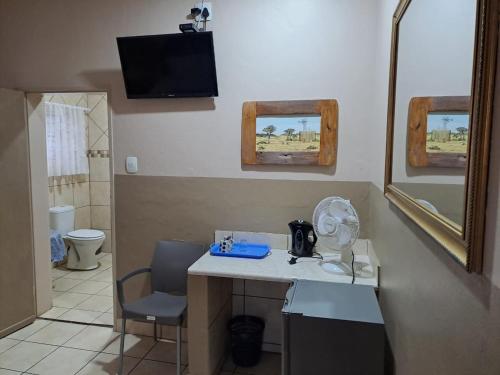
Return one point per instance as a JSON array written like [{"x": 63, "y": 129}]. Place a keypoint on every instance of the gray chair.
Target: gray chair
[{"x": 167, "y": 304}]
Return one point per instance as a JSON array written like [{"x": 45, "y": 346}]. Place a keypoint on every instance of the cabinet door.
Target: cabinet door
[{"x": 17, "y": 296}]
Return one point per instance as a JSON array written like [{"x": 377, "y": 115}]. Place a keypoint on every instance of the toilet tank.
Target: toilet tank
[{"x": 62, "y": 219}]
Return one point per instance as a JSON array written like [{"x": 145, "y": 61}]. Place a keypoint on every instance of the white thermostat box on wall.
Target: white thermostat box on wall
[{"x": 131, "y": 164}]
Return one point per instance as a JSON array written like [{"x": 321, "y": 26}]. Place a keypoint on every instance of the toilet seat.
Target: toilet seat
[{"x": 86, "y": 234}]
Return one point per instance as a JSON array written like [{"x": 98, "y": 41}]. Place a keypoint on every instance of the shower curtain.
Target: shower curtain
[{"x": 66, "y": 140}]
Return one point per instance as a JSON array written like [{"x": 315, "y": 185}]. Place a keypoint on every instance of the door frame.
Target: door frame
[{"x": 44, "y": 278}]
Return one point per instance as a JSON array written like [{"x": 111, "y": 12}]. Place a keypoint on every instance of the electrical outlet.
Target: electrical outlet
[{"x": 205, "y": 4}]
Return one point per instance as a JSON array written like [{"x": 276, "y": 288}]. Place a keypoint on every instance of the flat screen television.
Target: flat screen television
[{"x": 169, "y": 66}]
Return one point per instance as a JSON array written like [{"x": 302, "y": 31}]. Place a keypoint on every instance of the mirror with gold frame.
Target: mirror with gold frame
[{"x": 443, "y": 63}]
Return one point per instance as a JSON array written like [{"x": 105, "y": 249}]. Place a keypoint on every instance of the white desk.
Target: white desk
[
  {"x": 275, "y": 267},
  {"x": 210, "y": 296}
]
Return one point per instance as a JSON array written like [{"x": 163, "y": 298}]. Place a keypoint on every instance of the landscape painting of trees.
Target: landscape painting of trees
[
  {"x": 288, "y": 133},
  {"x": 447, "y": 132}
]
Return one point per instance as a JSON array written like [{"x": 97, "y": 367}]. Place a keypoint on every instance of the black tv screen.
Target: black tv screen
[{"x": 168, "y": 66}]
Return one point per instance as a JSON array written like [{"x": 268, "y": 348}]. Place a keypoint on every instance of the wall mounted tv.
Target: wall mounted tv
[{"x": 168, "y": 66}]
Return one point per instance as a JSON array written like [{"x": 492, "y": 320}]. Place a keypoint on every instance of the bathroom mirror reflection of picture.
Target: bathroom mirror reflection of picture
[
  {"x": 447, "y": 133},
  {"x": 438, "y": 131},
  {"x": 301, "y": 132},
  {"x": 439, "y": 119}
]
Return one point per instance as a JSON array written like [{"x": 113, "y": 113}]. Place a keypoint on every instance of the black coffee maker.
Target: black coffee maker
[{"x": 303, "y": 238}]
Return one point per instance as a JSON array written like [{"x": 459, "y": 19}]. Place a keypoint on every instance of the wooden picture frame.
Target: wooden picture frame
[
  {"x": 327, "y": 154},
  {"x": 418, "y": 111},
  {"x": 463, "y": 242}
]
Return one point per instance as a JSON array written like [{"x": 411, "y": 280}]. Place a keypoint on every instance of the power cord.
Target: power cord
[
  {"x": 352, "y": 268},
  {"x": 294, "y": 259}
]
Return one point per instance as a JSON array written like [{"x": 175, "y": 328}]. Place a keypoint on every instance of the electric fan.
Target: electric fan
[{"x": 336, "y": 224}]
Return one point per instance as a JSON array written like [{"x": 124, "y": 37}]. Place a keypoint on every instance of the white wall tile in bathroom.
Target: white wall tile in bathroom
[
  {"x": 100, "y": 217},
  {"x": 81, "y": 194},
  {"x": 99, "y": 169},
  {"x": 106, "y": 246},
  {"x": 82, "y": 218},
  {"x": 63, "y": 195},
  {"x": 100, "y": 194}
]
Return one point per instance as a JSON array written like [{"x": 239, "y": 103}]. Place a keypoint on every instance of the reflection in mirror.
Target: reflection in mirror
[
  {"x": 297, "y": 133},
  {"x": 434, "y": 69},
  {"x": 447, "y": 132}
]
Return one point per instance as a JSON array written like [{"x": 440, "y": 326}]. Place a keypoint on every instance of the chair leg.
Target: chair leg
[
  {"x": 179, "y": 347},
  {"x": 122, "y": 345}
]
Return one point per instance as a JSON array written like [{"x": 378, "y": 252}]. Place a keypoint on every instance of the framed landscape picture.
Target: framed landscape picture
[
  {"x": 290, "y": 132},
  {"x": 438, "y": 131}
]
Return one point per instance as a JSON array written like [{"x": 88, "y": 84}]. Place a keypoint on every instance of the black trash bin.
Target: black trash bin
[{"x": 246, "y": 339}]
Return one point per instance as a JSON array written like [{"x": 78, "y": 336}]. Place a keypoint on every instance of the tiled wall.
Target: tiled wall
[
  {"x": 100, "y": 185},
  {"x": 71, "y": 190},
  {"x": 90, "y": 194}
]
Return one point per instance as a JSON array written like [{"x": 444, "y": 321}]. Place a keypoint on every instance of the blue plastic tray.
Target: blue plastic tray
[{"x": 242, "y": 250}]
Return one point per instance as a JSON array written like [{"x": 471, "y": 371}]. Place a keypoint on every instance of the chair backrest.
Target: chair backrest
[{"x": 171, "y": 261}]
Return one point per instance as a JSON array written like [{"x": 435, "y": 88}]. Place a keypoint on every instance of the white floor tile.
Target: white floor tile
[
  {"x": 9, "y": 372},
  {"x": 108, "y": 291},
  {"x": 105, "y": 266},
  {"x": 56, "y": 294},
  {"x": 54, "y": 312},
  {"x": 270, "y": 364},
  {"x": 154, "y": 368},
  {"x": 167, "y": 352},
  {"x": 24, "y": 355},
  {"x": 89, "y": 287},
  {"x": 56, "y": 333},
  {"x": 104, "y": 318},
  {"x": 96, "y": 303},
  {"x": 29, "y": 330},
  {"x": 106, "y": 275},
  {"x": 92, "y": 338},
  {"x": 81, "y": 316},
  {"x": 135, "y": 346},
  {"x": 63, "y": 284},
  {"x": 63, "y": 361},
  {"x": 82, "y": 275},
  {"x": 6, "y": 344},
  {"x": 105, "y": 364},
  {"x": 58, "y": 272},
  {"x": 69, "y": 299}
]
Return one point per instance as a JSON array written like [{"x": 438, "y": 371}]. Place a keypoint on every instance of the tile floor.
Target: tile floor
[
  {"x": 60, "y": 348},
  {"x": 83, "y": 296}
]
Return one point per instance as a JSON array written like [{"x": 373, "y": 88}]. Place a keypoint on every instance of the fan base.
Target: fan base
[{"x": 337, "y": 268}]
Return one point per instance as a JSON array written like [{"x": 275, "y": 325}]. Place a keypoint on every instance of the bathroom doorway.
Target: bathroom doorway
[{"x": 72, "y": 180}]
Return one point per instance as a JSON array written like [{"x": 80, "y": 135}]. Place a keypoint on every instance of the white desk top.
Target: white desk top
[{"x": 275, "y": 267}]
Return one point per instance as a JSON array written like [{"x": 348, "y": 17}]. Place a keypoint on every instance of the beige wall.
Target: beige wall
[
  {"x": 150, "y": 208},
  {"x": 290, "y": 51},
  {"x": 16, "y": 232}
]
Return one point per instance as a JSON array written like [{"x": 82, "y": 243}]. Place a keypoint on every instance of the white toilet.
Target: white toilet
[{"x": 83, "y": 243}]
